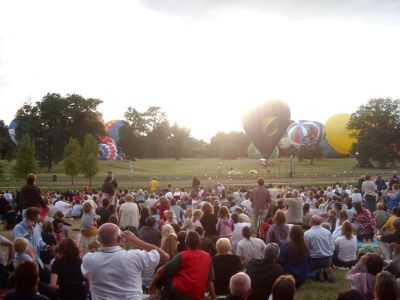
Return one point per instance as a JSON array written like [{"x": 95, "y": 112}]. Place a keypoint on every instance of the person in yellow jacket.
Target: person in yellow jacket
[
  {"x": 153, "y": 185},
  {"x": 389, "y": 227}
]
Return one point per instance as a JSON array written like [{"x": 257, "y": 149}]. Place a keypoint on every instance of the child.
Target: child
[
  {"x": 380, "y": 216},
  {"x": 225, "y": 224},
  {"x": 88, "y": 227},
  {"x": 171, "y": 219},
  {"x": 60, "y": 231},
  {"x": 76, "y": 211},
  {"x": 22, "y": 251}
]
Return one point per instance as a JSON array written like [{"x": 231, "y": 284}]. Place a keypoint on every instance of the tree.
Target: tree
[
  {"x": 25, "y": 158},
  {"x": 7, "y": 146},
  {"x": 89, "y": 165},
  {"x": 72, "y": 157},
  {"x": 376, "y": 127},
  {"x": 310, "y": 149},
  {"x": 178, "y": 141},
  {"x": 229, "y": 145}
]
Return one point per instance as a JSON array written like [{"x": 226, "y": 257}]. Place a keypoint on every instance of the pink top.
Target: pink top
[{"x": 225, "y": 227}]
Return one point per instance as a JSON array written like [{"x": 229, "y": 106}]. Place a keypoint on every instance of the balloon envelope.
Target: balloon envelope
[
  {"x": 298, "y": 131},
  {"x": 112, "y": 128},
  {"x": 338, "y": 135},
  {"x": 252, "y": 152},
  {"x": 327, "y": 150},
  {"x": 266, "y": 124},
  {"x": 108, "y": 149},
  {"x": 11, "y": 130}
]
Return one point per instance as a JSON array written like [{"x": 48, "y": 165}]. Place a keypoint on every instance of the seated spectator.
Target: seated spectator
[
  {"x": 237, "y": 231},
  {"x": 365, "y": 223},
  {"x": 150, "y": 234},
  {"x": 386, "y": 287},
  {"x": 225, "y": 266},
  {"x": 66, "y": 275},
  {"x": 320, "y": 245},
  {"x": 26, "y": 278},
  {"x": 306, "y": 216},
  {"x": 249, "y": 247},
  {"x": 294, "y": 255},
  {"x": 263, "y": 272},
  {"x": 345, "y": 248},
  {"x": 363, "y": 275},
  {"x": 381, "y": 216},
  {"x": 170, "y": 244},
  {"x": 76, "y": 211},
  {"x": 206, "y": 244},
  {"x": 339, "y": 222},
  {"x": 284, "y": 288},
  {"x": 171, "y": 219},
  {"x": 279, "y": 231},
  {"x": 10, "y": 219},
  {"x": 144, "y": 214},
  {"x": 239, "y": 287},
  {"x": 60, "y": 226},
  {"x": 49, "y": 238},
  {"x": 179, "y": 212},
  {"x": 350, "y": 294},
  {"x": 23, "y": 252},
  {"x": 181, "y": 241},
  {"x": 388, "y": 227},
  {"x": 385, "y": 241}
]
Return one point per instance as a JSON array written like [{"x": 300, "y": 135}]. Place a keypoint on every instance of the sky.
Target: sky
[{"x": 204, "y": 62}]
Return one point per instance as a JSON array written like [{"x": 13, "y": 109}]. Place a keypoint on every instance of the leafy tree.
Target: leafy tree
[
  {"x": 310, "y": 149},
  {"x": 1, "y": 171},
  {"x": 89, "y": 164},
  {"x": 229, "y": 145},
  {"x": 7, "y": 146},
  {"x": 25, "y": 158},
  {"x": 72, "y": 157},
  {"x": 178, "y": 142},
  {"x": 376, "y": 127},
  {"x": 54, "y": 119}
]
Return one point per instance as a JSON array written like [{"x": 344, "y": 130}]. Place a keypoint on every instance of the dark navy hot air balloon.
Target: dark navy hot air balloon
[{"x": 266, "y": 124}]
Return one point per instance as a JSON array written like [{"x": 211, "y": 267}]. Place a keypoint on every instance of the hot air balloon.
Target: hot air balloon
[
  {"x": 337, "y": 133},
  {"x": 108, "y": 149},
  {"x": 112, "y": 129},
  {"x": 298, "y": 131},
  {"x": 266, "y": 124},
  {"x": 11, "y": 130},
  {"x": 252, "y": 152},
  {"x": 327, "y": 150}
]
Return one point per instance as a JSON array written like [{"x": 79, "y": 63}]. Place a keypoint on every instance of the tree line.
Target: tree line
[{"x": 53, "y": 121}]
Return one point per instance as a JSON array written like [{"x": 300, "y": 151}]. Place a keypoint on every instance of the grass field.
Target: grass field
[
  {"x": 209, "y": 170},
  {"x": 311, "y": 290}
]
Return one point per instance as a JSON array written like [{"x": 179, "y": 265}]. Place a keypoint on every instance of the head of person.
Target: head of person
[
  {"x": 347, "y": 230},
  {"x": 48, "y": 227},
  {"x": 358, "y": 207},
  {"x": 306, "y": 208},
  {"x": 150, "y": 221},
  {"x": 68, "y": 249},
  {"x": 260, "y": 181},
  {"x": 350, "y": 294},
  {"x": 223, "y": 212},
  {"x": 386, "y": 286},
  {"x": 271, "y": 252},
  {"x": 192, "y": 240},
  {"x": 144, "y": 212},
  {"x": 197, "y": 214},
  {"x": 396, "y": 211},
  {"x": 199, "y": 230},
  {"x": 109, "y": 177},
  {"x": 108, "y": 235},
  {"x": 284, "y": 288},
  {"x": 181, "y": 237},
  {"x": 343, "y": 216},
  {"x": 105, "y": 202},
  {"x": 315, "y": 220},
  {"x": 296, "y": 242},
  {"x": 170, "y": 244},
  {"x": 31, "y": 178},
  {"x": 113, "y": 219},
  {"x": 279, "y": 218},
  {"x": 32, "y": 215},
  {"x": 188, "y": 213},
  {"x": 223, "y": 246},
  {"x": 87, "y": 207},
  {"x": 235, "y": 218},
  {"x": 21, "y": 245},
  {"x": 128, "y": 198},
  {"x": 374, "y": 264},
  {"x": 164, "y": 202},
  {"x": 207, "y": 208},
  {"x": 240, "y": 285},
  {"x": 327, "y": 226},
  {"x": 295, "y": 193},
  {"x": 246, "y": 232},
  {"x": 26, "y": 277},
  {"x": 166, "y": 230},
  {"x": 380, "y": 206}
]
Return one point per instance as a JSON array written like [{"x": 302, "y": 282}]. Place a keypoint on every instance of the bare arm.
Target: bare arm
[
  {"x": 10, "y": 246},
  {"x": 210, "y": 286},
  {"x": 157, "y": 276},
  {"x": 53, "y": 280},
  {"x": 132, "y": 240}
]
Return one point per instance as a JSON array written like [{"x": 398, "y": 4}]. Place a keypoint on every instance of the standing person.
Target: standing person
[
  {"x": 394, "y": 180},
  {"x": 88, "y": 228},
  {"x": 192, "y": 271},
  {"x": 153, "y": 185},
  {"x": 295, "y": 208},
  {"x": 368, "y": 189},
  {"x": 196, "y": 183},
  {"x": 113, "y": 181},
  {"x": 104, "y": 212},
  {"x": 129, "y": 215},
  {"x": 116, "y": 273},
  {"x": 30, "y": 195},
  {"x": 108, "y": 190},
  {"x": 260, "y": 201}
]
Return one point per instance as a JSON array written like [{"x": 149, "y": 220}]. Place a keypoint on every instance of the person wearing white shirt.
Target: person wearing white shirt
[
  {"x": 129, "y": 213},
  {"x": 346, "y": 248},
  {"x": 64, "y": 207},
  {"x": 249, "y": 247},
  {"x": 116, "y": 273},
  {"x": 237, "y": 231},
  {"x": 151, "y": 201}
]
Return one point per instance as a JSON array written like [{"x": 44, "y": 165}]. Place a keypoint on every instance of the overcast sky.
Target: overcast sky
[{"x": 204, "y": 62}]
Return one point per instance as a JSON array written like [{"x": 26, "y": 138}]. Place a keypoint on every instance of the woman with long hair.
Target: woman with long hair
[
  {"x": 365, "y": 223},
  {"x": 294, "y": 256},
  {"x": 386, "y": 287},
  {"x": 345, "y": 248},
  {"x": 209, "y": 221},
  {"x": 66, "y": 272},
  {"x": 170, "y": 244},
  {"x": 339, "y": 222}
]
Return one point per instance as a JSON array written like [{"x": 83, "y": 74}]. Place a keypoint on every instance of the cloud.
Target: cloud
[{"x": 367, "y": 10}]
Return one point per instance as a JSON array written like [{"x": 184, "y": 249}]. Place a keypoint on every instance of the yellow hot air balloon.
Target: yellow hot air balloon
[{"x": 337, "y": 133}]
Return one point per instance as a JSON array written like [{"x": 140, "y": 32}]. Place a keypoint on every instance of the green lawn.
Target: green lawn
[{"x": 210, "y": 171}]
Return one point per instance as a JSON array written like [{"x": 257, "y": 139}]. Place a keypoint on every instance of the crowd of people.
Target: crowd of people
[{"x": 258, "y": 243}]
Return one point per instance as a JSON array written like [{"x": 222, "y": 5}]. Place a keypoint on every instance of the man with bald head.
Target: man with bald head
[
  {"x": 319, "y": 241},
  {"x": 116, "y": 273},
  {"x": 239, "y": 287}
]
